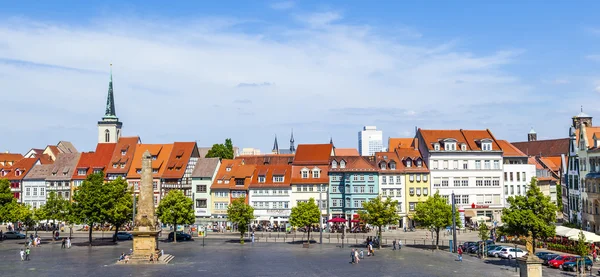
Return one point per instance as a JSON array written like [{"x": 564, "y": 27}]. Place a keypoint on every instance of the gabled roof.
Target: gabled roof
[
  {"x": 388, "y": 158},
  {"x": 510, "y": 150},
  {"x": 179, "y": 158},
  {"x": 10, "y": 158},
  {"x": 23, "y": 166},
  {"x": 394, "y": 143},
  {"x": 127, "y": 144},
  {"x": 544, "y": 148},
  {"x": 589, "y": 135},
  {"x": 308, "y": 154},
  {"x": 472, "y": 138},
  {"x": 279, "y": 159},
  {"x": 205, "y": 167},
  {"x": 95, "y": 160},
  {"x": 64, "y": 167},
  {"x": 268, "y": 171},
  {"x": 297, "y": 174},
  {"x": 354, "y": 164},
  {"x": 54, "y": 149},
  {"x": 534, "y": 161},
  {"x": 552, "y": 163},
  {"x": 39, "y": 172},
  {"x": 162, "y": 153},
  {"x": 66, "y": 147},
  {"x": 237, "y": 170},
  {"x": 346, "y": 152},
  {"x": 409, "y": 153}
]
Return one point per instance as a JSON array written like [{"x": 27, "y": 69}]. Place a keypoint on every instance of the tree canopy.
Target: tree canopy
[
  {"x": 8, "y": 203},
  {"x": 223, "y": 151},
  {"x": 532, "y": 212},
  {"x": 176, "y": 209},
  {"x": 91, "y": 202},
  {"x": 436, "y": 213},
  {"x": 305, "y": 214},
  {"x": 56, "y": 208},
  {"x": 120, "y": 208},
  {"x": 241, "y": 214},
  {"x": 379, "y": 213}
]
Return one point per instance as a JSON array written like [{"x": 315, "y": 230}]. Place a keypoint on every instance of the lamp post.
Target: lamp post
[
  {"x": 453, "y": 223},
  {"x": 320, "y": 214}
]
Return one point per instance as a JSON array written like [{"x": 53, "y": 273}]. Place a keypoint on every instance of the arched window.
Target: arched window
[
  {"x": 333, "y": 164},
  {"x": 107, "y": 136}
]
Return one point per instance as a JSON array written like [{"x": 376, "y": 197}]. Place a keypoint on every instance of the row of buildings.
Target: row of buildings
[{"x": 480, "y": 170}]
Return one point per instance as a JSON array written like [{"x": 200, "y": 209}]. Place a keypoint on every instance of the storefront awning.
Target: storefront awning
[
  {"x": 263, "y": 218},
  {"x": 470, "y": 213}
]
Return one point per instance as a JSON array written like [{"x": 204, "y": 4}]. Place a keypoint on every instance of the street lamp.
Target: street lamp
[
  {"x": 453, "y": 223},
  {"x": 320, "y": 214}
]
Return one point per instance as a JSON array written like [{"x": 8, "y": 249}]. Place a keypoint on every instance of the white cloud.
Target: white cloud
[
  {"x": 175, "y": 80},
  {"x": 598, "y": 89},
  {"x": 284, "y": 5}
]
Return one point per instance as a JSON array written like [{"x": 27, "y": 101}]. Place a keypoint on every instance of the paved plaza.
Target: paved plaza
[{"x": 220, "y": 257}]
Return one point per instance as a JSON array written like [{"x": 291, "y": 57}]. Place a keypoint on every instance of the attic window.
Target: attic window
[
  {"x": 219, "y": 181},
  {"x": 81, "y": 172},
  {"x": 463, "y": 147},
  {"x": 154, "y": 157},
  {"x": 450, "y": 146},
  {"x": 393, "y": 165},
  {"x": 278, "y": 179},
  {"x": 18, "y": 172},
  {"x": 138, "y": 171},
  {"x": 155, "y": 170},
  {"x": 228, "y": 168},
  {"x": 54, "y": 174},
  {"x": 3, "y": 172},
  {"x": 261, "y": 179},
  {"x": 304, "y": 173},
  {"x": 436, "y": 147},
  {"x": 123, "y": 152},
  {"x": 122, "y": 165},
  {"x": 96, "y": 171},
  {"x": 115, "y": 165},
  {"x": 419, "y": 163},
  {"x": 333, "y": 164},
  {"x": 486, "y": 146},
  {"x": 342, "y": 164},
  {"x": 408, "y": 163},
  {"x": 383, "y": 165},
  {"x": 316, "y": 172}
]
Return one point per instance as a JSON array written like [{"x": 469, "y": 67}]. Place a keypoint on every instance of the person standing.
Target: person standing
[
  {"x": 399, "y": 244},
  {"x": 252, "y": 237},
  {"x": 460, "y": 252},
  {"x": 356, "y": 258},
  {"x": 69, "y": 242},
  {"x": 352, "y": 256},
  {"x": 63, "y": 244},
  {"x": 394, "y": 244},
  {"x": 27, "y": 252},
  {"x": 22, "y": 253}
]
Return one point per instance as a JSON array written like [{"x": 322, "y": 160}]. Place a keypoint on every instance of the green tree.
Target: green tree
[
  {"x": 56, "y": 208},
  {"x": 581, "y": 249},
  {"x": 436, "y": 213},
  {"x": 242, "y": 214},
  {"x": 559, "y": 198},
  {"x": 176, "y": 209},
  {"x": 379, "y": 213},
  {"x": 7, "y": 202},
  {"x": 484, "y": 232},
  {"x": 120, "y": 208},
  {"x": 532, "y": 212},
  {"x": 305, "y": 214},
  {"x": 91, "y": 202},
  {"x": 223, "y": 151}
]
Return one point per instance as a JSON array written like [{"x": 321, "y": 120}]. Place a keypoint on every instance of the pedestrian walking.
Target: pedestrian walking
[
  {"x": 394, "y": 244},
  {"x": 352, "y": 256},
  {"x": 22, "y": 253},
  {"x": 362, "y": 254},
  {"x": 356, "y": 258},
  {"x": 252, "y": 236},
  {"x": 399, "y": 244},
  {"x": 460, "y": 252},
  {"x": 63, "y": 244},
  {"x": 27, "y": 252},
  {"x": 69, "y": 242}
]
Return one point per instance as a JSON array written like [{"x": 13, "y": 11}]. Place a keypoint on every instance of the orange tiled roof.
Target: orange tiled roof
[
  {"x": 54, "y": 149},
  {"x": 534, "y": 161},
  {"x": 388, "y": 158},
  {"x": 279, "y": 159},
  {"x": 10, "y": 157},
  {"x": 231, "y": 170},
  {"x": 268, "y": 171},
  {"x": 46, "y": 159},
  {"x": 471, "y": 138},
  {"x": 354, "y": 163},
  {"x": 178, "y": 160},
  {"x": 313, "y": 154},
  {"x": 95, "y": 160},
  {"x": 129, "y": 145},
  {"x": 20, "y": 169},
  {"x": 510, "y": 150},
  {"x": 549, "y": 162},
  {"x": 346, "y": 152},
  {"x": 394, "y": 143},
  {"x": 161, "y": 151},
  {"x": 408, "y": 153},
  {"x": 589, "y": 135},
  {"x": 297, "y": 174}
]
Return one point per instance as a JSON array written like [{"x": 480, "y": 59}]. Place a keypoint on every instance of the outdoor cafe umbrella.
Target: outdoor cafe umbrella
[
  {"x": 481, "y": 218},
  {"x": 337, "y": 220},
  {"x": 355, "y": 220}
]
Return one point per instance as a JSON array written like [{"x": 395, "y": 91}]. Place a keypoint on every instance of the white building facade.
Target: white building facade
[
  {"x": 468, "y": 164},
  {"x": 370, "y": 141},
  {"x": 517, "y": 171}
]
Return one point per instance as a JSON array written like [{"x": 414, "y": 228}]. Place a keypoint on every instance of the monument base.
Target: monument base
[
  {"x": 530, "y": 266},
  {"x": 145, "y": 247}
]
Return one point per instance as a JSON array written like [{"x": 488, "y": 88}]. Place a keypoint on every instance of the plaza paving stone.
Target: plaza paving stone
[{"x": 223, "y": 258}]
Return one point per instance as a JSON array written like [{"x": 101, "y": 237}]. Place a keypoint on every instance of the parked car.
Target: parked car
[
  {"x": 13, "y": 235},
  {"x": 494, "y": 251},
  {"x": 123, "y": 236},
  {"x": 541, "y": 255},
  {"x": 180, "y": 236},
  {"x": 558, "y": 261},
  {"x": 548, "y": 258},
  {"x": 577, "y": 263},
  {"x": 510, "y": 252},
  {"x": 468, "y": 244}
]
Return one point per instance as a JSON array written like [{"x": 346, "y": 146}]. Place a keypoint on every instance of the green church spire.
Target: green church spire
[{"x": 110, "y": 99}]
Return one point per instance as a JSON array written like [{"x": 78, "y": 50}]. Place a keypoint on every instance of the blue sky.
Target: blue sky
[{"x": 207, "y": 70}]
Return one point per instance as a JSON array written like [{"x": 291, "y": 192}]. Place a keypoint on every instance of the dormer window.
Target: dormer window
[
  {"x": 18, "y": 172},
  {"x": 3, "y": 172},
  {"x": 436, "y": 146},
  {"x": 333, "y": 164},
  {"x": 419, "y": 163},
  {"x": 278, "y": 179},
  {"x": 138, "y": 171},
  {"x": 463, "y": 147},
  {"x": 261, "y": 179},
  {"x": 383, "y": 165},
  {"x": 486, "y": 146},
  {"x": 316, "y": 172},
  {"x": 393, "y": 165},
  {"x": 228, "y": 168},
  {"x": 155, "y": 170},
  {"x": 123, "y": 152},
  {"x": 81, "y": 172},
  {"x": 304, "y": 173},
  {"x": 408, "y": 163},
  {"x": 219, "y": 181},
  {"x": 122, "y": 165},
  {"x": 115, "y": 165},
  {"x": 342, "y": 164},
  {"x": 450, "y": 146},
  {"x": 154, "y": 157}
]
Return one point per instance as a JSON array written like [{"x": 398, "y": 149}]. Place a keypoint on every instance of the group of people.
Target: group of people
[
  {"x": 25, "y": 254},
  {"x": 66, "y": 243},
  {"x": 356, "y": 255},
  {"x": 399, "y": 243},
  {"x": 34, "y": 241}
]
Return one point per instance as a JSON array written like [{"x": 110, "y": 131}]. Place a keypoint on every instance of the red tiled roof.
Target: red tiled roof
[
  {"x": 279, "y": 159},
  {"x": 394, "y": 143},
  {"x": 550, "y": 163},
  {"x": 346, "y": 152},
  {"x": 544, "y": 148},
  {"x": 99, "y": 159},
  {"x": 268, "y": 171},
  {"x": 471, "y": 138},
  {"x": 54, "y": 149},
  {"x": 10, "y": 157},
  {"x": 313, "y": 154},
  {"x": 589, "y": 134},
  {"x": 23, "y": 166},
  {"x": 237, "y": 170},
  {"x": 46, "y": 159},
  {"x": 510, "y": 150},
  {"x": 178, "y": 160},
  {"x": 297, "y": 174},
  {"x": 354, "y": 163},
  {"x": 404, "y": 154},
  {"x": 534, "y": 161},
  {"x": 127, "y": 144},
  {"x": 162, "y": 153}
]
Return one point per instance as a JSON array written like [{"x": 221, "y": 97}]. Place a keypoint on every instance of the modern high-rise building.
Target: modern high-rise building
[{"x": 370, "y": 141}]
